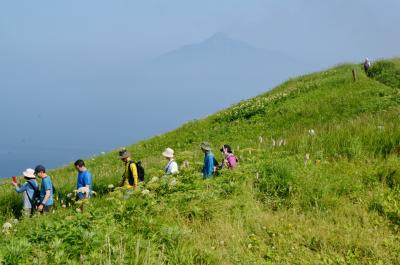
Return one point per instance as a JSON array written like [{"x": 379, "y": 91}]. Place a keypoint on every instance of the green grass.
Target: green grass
[{"x": 340, "y": 207}]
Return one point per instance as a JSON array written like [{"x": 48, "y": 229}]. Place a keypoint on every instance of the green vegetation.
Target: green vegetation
[{"x": 318, "y": 183}]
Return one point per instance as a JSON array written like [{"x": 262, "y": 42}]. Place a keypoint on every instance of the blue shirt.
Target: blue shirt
[
  {"x": 84, "y": 178},
  {"x": 208, "y": 168},
  {"x": 28, "y": 192},
  {"x": 46, "y": 185}
]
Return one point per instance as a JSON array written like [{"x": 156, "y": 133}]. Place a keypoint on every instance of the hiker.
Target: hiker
[
  {"x": 130, "y": 177},
  {"x": 46, "y": 190},
  {"x": 84, "y": 181},
  {"x": 230, "y": 160},
  {"x": 172, "y": 166},
  {"x": 209, "y": 160},
  {"x": 367, "y": 65},
  {"x": 29, "y": 188}
]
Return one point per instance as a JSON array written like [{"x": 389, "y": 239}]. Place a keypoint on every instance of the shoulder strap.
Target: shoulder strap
[
  {"x": 129, "y": 165},
  {"x": 130, "y": 173},
  {"x": 168, "y": 165},
  {"x": 30, "y": 184},
  {"x": 34, "y": 190}
]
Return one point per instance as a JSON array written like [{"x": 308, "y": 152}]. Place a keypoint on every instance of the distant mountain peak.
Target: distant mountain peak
[
  {"x": 221, "y": 49},
  {"x": 219, "y": 36},
  {"x": 222, "y": 39}
]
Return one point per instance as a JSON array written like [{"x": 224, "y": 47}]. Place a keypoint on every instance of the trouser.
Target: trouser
[
  {"x": 47, "y": 209},
  {"x": 27, "y": 212}
]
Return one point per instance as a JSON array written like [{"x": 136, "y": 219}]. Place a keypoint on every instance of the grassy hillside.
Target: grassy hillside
[{"x": 340, "y": 206}]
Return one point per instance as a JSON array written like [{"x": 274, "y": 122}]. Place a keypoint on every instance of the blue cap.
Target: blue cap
[{"x": 40, "y": 168}]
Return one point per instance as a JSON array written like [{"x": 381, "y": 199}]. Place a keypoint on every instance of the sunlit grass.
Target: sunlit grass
[{"x": 340, "y": 206}]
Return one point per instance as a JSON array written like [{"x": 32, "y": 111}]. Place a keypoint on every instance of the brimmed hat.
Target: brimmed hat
[
  {"x": 205, "y": 146},
  {"x": 40, "y": 168},
  {"x": 29, "y": 173},
  {"x": 124, "y": 154},
  {"x": 168, "y": 152},
  {"x": 227, "y": 147}
]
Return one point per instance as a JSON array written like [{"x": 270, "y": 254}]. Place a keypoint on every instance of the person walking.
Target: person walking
[
  {"x": 29, "y": 189},
  {"x": 230, "y": 160},
  {"x": 367, "y": 65},
  {"x": 46, "y": 190},
  {"x": 130, "y": 177},
  {"x": 84, "y": 180},
  {"x": 209, "y": 160},
  {"x": 172, "y": 166}
]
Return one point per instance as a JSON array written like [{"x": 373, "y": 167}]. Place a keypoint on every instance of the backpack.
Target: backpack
[
  {"x": 232, "y": 160},
  {"x": 36, "y": 194},
  {"x": 216, "y": 164},
  {"x": 140, "y": 172}
]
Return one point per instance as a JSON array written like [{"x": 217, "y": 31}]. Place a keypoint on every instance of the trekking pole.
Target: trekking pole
[{"x": 354, "y": 74}]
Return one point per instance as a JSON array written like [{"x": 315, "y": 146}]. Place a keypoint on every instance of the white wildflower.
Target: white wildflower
[
  {"x": 111, "y": 186},
  {"x": 185, "y": 164},
  {"x": 306, "y": 158},
  {"x": 69, "y": 195},
  {"x": 173, "y": 182},
  {"x": 7, "y": 227},
  {"x": 154, "y": 179},
  {"x": 15, "y": 221},
  {"x": 311, "y": 132},
  {"x": 145, "y": 192}
]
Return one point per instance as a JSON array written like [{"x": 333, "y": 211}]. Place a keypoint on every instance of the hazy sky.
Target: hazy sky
[{"x": 106, "y": 32}]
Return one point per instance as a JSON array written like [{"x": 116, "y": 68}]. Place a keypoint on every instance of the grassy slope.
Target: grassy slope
[{"x": 341, "y": 208}]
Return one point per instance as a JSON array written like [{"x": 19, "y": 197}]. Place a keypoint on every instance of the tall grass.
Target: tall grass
[{"x": 327, "y": 197}]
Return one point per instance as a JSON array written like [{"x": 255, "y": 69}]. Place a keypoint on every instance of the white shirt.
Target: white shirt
[{"x": 171, "y": 167}]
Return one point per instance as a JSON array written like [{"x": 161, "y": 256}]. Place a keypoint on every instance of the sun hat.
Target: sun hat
[
  {"x": 205, "y": 146},
  {"x": 29, "y": 173},
  {"x": 168, "y": 152},
  {"x": 40, "y": 168},
  {"x": 124, "y": 154}
]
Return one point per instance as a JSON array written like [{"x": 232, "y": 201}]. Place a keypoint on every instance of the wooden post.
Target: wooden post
[{"x": 354, "y": 75}]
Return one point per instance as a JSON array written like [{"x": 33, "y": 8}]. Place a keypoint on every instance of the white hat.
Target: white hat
[
  {"x": 29, "y": 173},
  {"x": 168, "y": 152}
]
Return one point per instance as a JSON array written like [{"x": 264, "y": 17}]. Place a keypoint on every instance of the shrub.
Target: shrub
[{"x": 386, "y": 72}]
